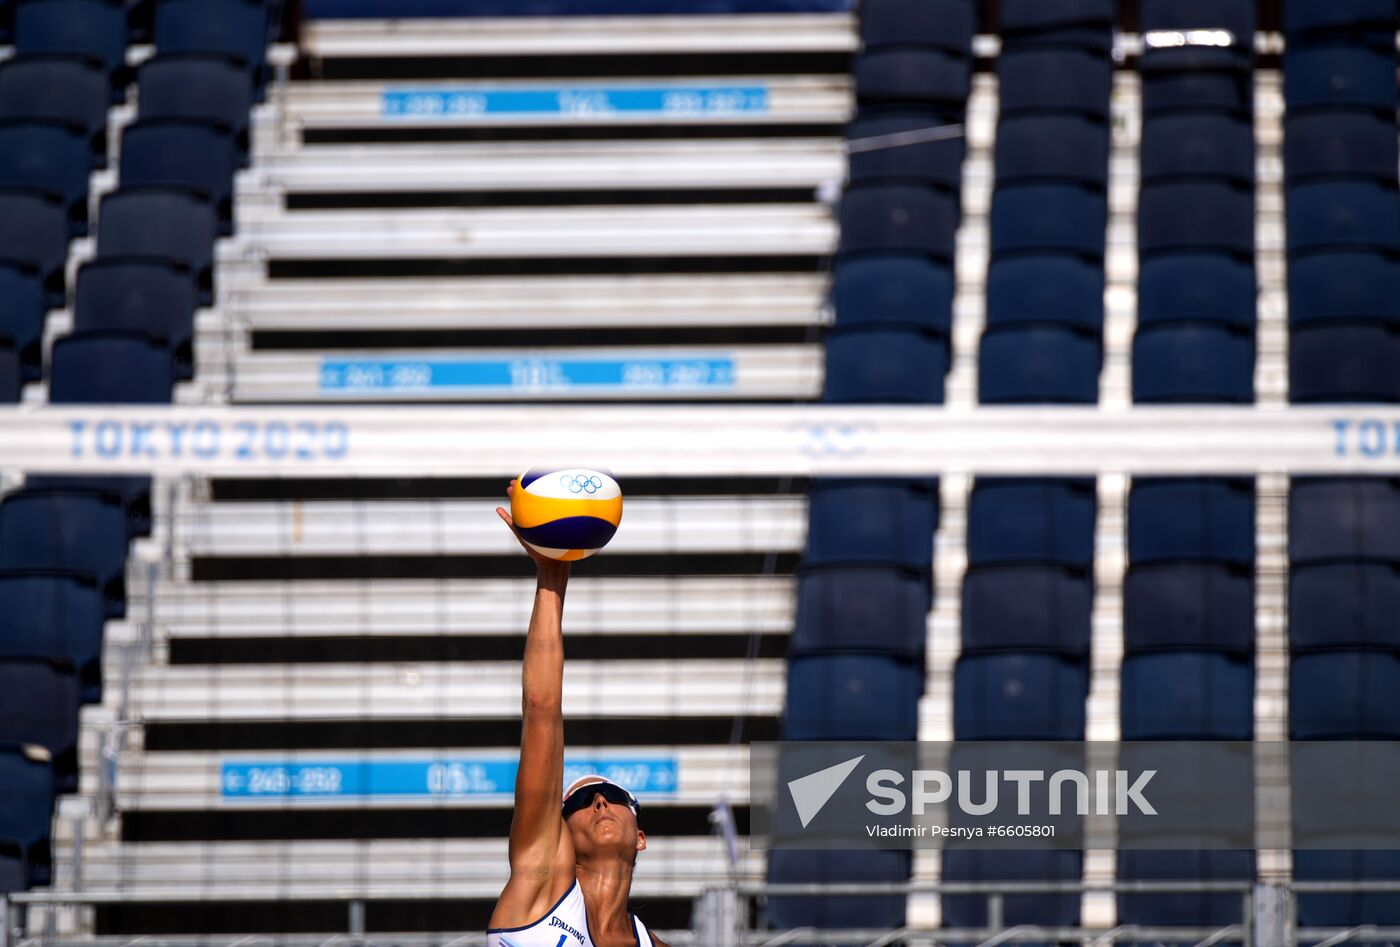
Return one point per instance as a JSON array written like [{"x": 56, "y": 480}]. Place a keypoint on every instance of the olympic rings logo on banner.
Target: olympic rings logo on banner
[{"x": 579, "y": 484}]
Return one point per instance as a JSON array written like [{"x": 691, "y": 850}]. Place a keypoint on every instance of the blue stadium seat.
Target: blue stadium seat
[
  {"x": 1364, "y": 215},
  {"x": 884, "y": 365},
  {"x": 797, "y": 866},
  {"x": 1193, "y": 362},
  {"x": 894, "y": 290},
  {"x": 110, "y": 367},
  {"x": 140, "y": 294},
  {"x": 1332, "y": 518},
  {"x": 14, "y": 873},
  {"x": 1014, "y": 520},
  {"x": 7, "y": 21},
  {"x": 133, "y": 493},
  {"x": 1344, "y": 605},
  {"x": 26, "y": 807},
  {"x": 1202, "y": 519},
  {"x": 199, "y": 87},
  {"x": 1040, "y": 79},
  {"x": 1237, "y": 16},
  {"x": 73, "y": 531},
  {"x": 879, "y": 610},
  {"x": 1354, "y": 908},
  {"x": 378, "y": 9},
  {"x": 1310, "y": 16},
  {"x": 937, "y": 162},
  {"x": 870, "y": 522},
  {"x": 60, "y": 89},
  {"x": 1027, "y": 696},
  {"x": 1344, "y": 695},
  {"x": 1027, "y": 607},
  {"x": 1046, "y": 287},
  {"x": 182, "y": 153},
  {"x": 1197, "y": 909},
  {"x": 853, "y": 697},
  {"x": 1339, "y": 144},
  {"x": 970, "y": 864},
  {"x": 1196, "y": 78},
  {"x": 22, "y": 317},
  {"x": 1344, "y": 75},
  {"x": 1211, "y": 145},
  {"x": 55, "y": 614},
  {"x": 1064, "y": 217},
  {"x": 1027, "y": 20},
  {"x": 235, "y": 28},
  {"x": 51, "y": 157},
  {"x": 1215, "y": 287},
  {"x": 1187, "y": 695},
  {"x": 94, "y": 29},
  {"x": 1196, "y": 215},
  {"x": 39, "y": 705},
  {"x": 911, "y": 77},
  {"x": 1342, "y": 285},
  {"x": 161, "y": 222},
  {"x": 1032, "y": 147},
  {"x": 1205, "y": 606},
  {"x": 937, "y": 24},
  {"x": 34, "y": 231},
  {"x": 11, "y": 372},
  {"x": 1044, "y": 364},
  {"x": 1345, "y": 362},
  {"x": 895, "y": 218}
]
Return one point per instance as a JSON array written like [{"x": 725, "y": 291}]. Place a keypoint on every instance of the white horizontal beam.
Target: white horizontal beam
[{"x": 687, "y": 440}]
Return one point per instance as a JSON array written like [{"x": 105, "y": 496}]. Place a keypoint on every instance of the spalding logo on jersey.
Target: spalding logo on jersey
[{"x": 566, "y": 513}]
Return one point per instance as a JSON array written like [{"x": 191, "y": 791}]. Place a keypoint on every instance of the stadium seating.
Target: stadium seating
[
  {"x": 1054, "y": 147},
  {"x": 1014, "y": 520},
  {"x": 55, "y": 615},
  {"x": 39, "y": 705},
  {"x": 140, "y": 294},
  {"x": 1303, "y": 17},
  {"x": 199, "y": 87},
  {"x": 894, "y": 290},
  {"x": 1187, "y": 695},
  {"x": 182, "y": 153},
  {"x": 162, "y": 223},
  {"x": 1203, "y": 908},
  {"x": 132, "y": 492},
  {"x": 1086, "y": 23},
  {"x": 1342, "y": 285},
  {"x": 854, "y": 522},
  {"x": 58, "y": 89},
  {"x": 1204, "y": 519},
  {"x": 936, "y": 24},
  {"x": 935, "y": 162},
  {"x": 1331, "y": 215},
  {"x": 111, "y": 366},
  {"x": 1196, "y": 215},
  {"x": 1045, "y": 287},
  {"x": 68, "y": 530},
  {"x": 1354, "y": 518},
  {"x": 26, "y": 810},
  {"x": 93, "y": 29},
  {"x": 870, "y": 610},
  {"x": 833, "y": 697},
  {"x": 1339, "y": 143},
  {"x": 22, "y": 312},
  {"x": 51, "y": 157},
  {"x": 1184, "y": 605},
  {"x": 1182, "y": 287},
  {"x": 1193, "y": 362},
  {"x": 1345, "y": 362},
  {"x": 1344, "y": 695},
  {"x": 1349, "y": 908},
  {"x": 797, "y": 866},
  {"x": 885, "y": 364},
  {"x": 898, "y": 219},
  {"x": 11, "y": 372},
  {"x": 1341, "y": 75},
  {"x": 1053, "y": 217},
  {"x": 1045, "y": 79},
  {"x": 34, "y": 232},
  {"x": 1019, "y": 696},
  {"x": 1344, "y": 605},
  {"x": 1197, "y": 145},
  {"x": 1000, "y": 865},
  {"x": 238, "y": 29},
  {"x": 1196, "y": 78},
  {"x": 1039, "y": 364},
  {"x": 1027, "y": 607},
  {"x": 912, "y": 77}
]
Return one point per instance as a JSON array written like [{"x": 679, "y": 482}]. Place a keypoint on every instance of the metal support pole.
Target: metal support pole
[
  {"x": 4, "y": 921},
  {"x": 357, "y": 919},
  {"x": 1271, "y": 927},
  {"x": 717, "y": 917}
]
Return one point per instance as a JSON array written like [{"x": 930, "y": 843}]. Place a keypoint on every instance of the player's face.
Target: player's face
[{"x": 603, "y": 827}]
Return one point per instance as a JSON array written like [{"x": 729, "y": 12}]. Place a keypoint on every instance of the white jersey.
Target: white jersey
[{"x": 564, "y": 925}]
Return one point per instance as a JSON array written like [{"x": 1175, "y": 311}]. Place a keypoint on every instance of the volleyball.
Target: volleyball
[{"x": 566, "y": 513}]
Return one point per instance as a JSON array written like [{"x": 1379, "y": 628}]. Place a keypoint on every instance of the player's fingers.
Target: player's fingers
[{"x": 505, "y": 516}]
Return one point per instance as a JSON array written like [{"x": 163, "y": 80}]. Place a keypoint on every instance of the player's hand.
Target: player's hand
[{"x": 544, "y": 563}]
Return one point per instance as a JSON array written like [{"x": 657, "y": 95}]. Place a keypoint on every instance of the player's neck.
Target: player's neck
[{"x": 606, "y": 884}]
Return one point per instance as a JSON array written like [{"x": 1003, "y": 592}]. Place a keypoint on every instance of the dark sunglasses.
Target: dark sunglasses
[{"x": 582, "y": 797}]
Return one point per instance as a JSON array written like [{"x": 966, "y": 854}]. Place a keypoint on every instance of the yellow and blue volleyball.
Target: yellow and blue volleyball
[{"x": 566, "y": 513}]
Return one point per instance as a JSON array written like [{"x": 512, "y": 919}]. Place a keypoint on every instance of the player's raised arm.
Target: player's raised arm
[{"x": 541, "y": 851}]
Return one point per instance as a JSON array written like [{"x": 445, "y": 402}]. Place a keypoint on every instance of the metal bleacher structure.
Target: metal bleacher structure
[{"x": 912, "y": 203}]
